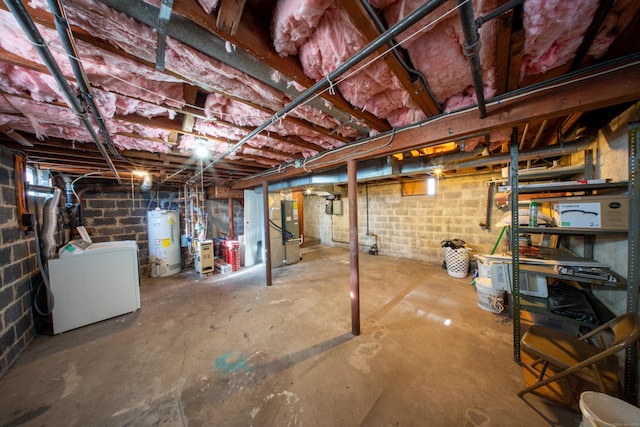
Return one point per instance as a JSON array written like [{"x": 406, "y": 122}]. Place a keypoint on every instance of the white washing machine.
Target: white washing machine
[{"x": 93, "y": 282}]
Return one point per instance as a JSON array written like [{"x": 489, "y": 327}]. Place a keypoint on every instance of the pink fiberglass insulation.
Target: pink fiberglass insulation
[
  {"x": 125, "y": 142},
  {"x": 104, "y": 69},
  {"x": 120, "y": 126},
  {"x": 553, "y": 32},
  {"x": 399, "y": 9},
  {"x": 108, "y": 24},
  {"x": 210, "y": 72},
  {"x": 41, "y": 115},
  {"x": 496, "y": 139},
  {"x": 619, "y": 17},
  {"x": 188, "y": 143},
  {"x": 233, "y": 135},
  {"x": 374, "y": 88},
  {"x": 20, "y": 81},
  {"x": 53, "y": 121},
  {"x": 229, "y": 110},
  {"x": 116, "y": 73},
  {"x": 294, "y": 21},
  {"x": 439, "y": 55}
]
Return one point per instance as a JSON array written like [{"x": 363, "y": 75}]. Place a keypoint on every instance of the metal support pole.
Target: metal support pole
[
  {"x": 353, "y": 246},
  {"x": 267, "y": 237},
  {"x": 515, "y": 255},
  {"x": 633, "y": 274}
]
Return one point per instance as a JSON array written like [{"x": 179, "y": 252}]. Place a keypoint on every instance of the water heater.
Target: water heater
[{"x": 164, "y": 242}]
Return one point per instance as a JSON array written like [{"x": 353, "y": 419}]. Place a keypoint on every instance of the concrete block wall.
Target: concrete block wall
[
  {"x": 312, "y": 214},
  {"x": 112, "y": 215},
  {"x": 413, "y": 226},
  {"x": 18, "y": 270}
]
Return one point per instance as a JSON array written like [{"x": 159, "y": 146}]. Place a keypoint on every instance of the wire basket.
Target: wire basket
[{"x": 457, "y": 261}]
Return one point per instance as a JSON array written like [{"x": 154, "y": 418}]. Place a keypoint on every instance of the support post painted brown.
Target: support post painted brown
[
  {"x": 267, "y": 237},
  {"x": 353, "y": 247},
  {"x": 232, "y": 232}
]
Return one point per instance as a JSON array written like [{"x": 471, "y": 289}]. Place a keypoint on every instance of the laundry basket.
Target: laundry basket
[{"x": 457, "y": 260}]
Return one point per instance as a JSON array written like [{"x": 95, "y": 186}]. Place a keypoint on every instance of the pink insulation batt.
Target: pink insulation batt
[
  {"x": 553, "y": 32},
  {"x": 398, "y": 9},
  {"x": 374, "y": 88},
  {"x": 438, "y": 52},
  {"x": 226, "y": 109},
  {"x": 294, "y": 22}
]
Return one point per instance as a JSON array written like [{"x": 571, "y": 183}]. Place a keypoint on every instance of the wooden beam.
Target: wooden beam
[
  {"x": 583, "y": 93},
  {"x": 15, "y": 135},
  {"x": 516, "y": 51},
  {"x": 229, "y": 15}
]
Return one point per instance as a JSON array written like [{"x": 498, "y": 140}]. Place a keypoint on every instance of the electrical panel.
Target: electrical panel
[{"x": 333, "y": 206}]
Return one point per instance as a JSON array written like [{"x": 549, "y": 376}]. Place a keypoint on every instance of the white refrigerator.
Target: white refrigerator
[{"x": 93, "y": 283}]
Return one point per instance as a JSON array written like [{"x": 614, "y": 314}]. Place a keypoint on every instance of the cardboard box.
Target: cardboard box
[{"x": 604, "y": 212}]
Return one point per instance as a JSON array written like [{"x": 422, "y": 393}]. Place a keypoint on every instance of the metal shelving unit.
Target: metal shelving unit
[{"x": 631, "y": 284}]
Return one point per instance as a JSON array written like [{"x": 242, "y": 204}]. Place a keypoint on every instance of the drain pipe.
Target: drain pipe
[
  {"x": 28, "y": 26},
  {"x": 329, "y": 79},
  {"x": 471, "y": 49}
]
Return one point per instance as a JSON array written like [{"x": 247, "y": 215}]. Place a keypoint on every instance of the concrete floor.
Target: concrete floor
[{"x": 228, "y": 351}]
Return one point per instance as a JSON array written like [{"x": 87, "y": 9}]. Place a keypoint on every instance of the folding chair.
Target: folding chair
[{"x": 554, "y": 356}]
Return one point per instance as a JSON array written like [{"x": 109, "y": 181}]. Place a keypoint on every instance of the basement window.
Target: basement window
[
  {"x": 431, "y": 186},
  {"x": 426, "y": 187},
  {"x": 38, "y": 177}
]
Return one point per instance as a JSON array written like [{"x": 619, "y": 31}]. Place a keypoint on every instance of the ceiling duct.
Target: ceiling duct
[{"x": 387, "y": 168}]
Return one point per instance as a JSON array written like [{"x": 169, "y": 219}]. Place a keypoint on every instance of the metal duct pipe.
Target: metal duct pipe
[
  {"x": 147, "y": 182},
  {"x": 49, "y": 223},
  {"x": 471, "y": 48},
  {"x": 328, "y": 80},
  {"x": 380, "y": 169},
  {"x": 28, "y": 26},
  {"x": 551, "y": 151}
]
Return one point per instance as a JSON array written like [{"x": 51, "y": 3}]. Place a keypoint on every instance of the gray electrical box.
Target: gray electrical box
[{"x": 333, "y": 207}]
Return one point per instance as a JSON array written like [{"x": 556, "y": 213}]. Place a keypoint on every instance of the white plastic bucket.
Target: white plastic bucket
[
  {"x": 489, "y": 298},
  {"x": 602, "y": 410}
]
